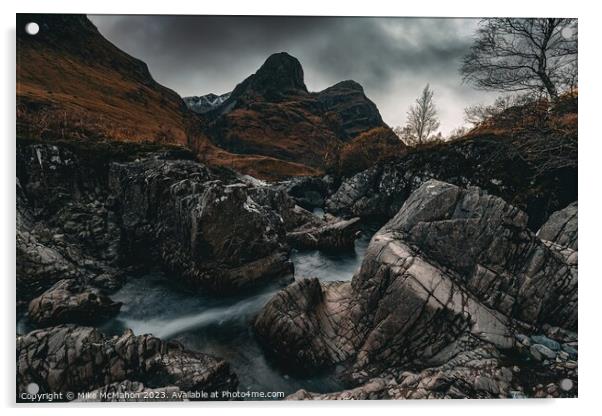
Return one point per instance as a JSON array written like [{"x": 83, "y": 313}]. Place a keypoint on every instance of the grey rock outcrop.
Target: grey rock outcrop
[
  {"x": 561, "y": 228},
  {"x": 497, "y": 165},
  {"x": 477, "y": 373},
  {"x": 64, "y": 229},
  {"x": 453, "y": 269},
  {"x": 70, "y": 358},
  {"x": 331, "y": 234},
  {"x": 304, "y": 230},
  {"x": 69, "y": 301},
  {"x": 210, "y": 232}
]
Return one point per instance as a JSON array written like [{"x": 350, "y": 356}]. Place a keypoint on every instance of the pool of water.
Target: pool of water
[{"x": 222, "y": 326}]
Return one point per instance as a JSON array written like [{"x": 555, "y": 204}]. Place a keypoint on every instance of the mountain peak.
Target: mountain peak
[{"x": 281, "y": 74}]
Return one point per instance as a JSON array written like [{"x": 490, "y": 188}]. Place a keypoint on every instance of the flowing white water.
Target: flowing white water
[
  {"x": 165, "y": 328},
  {"x": 223, "y": 326}
]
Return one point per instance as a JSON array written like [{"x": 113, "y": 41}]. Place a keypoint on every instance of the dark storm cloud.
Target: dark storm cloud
[{"x": 393, "y": 58}]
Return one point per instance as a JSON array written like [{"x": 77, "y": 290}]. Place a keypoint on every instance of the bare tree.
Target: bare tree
[
  {"x": 422, "y": 120},
  {"x": 523, "y": 55}
]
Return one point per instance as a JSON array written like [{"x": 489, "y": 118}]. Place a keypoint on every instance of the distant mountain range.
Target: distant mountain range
[
  {"x": 202, "y": 104},
  {"x": 77, "y": 85}
]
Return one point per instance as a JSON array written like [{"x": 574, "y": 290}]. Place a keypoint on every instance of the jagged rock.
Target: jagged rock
[
  {"x": 305, "y": 230},
  {"x": 69, "y": 301},
  {"x": 561, "y": 228},
  {"x": 70, "y": 358},
  {"x": 72, "y": 225},
  {"x": 277, "y": 199},
  {"x": 63, "y": 229},
  {"x": 335, "y": 234},
  {"x": 473, "y": 374},
  {"x": 310, "y": 192},
  {"x": 38, "y": 265},
  {"x": 307, "y": 326},
  {"x": 211, "y": 233},
  {"x": 495, "y": 164},
  {"x": 455, "y": 267}
]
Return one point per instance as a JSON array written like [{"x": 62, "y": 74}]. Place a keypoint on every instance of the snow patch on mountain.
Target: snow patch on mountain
[{"x": 204, "y": 103}]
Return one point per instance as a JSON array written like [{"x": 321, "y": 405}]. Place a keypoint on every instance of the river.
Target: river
[{"x": 222, "y": 326}]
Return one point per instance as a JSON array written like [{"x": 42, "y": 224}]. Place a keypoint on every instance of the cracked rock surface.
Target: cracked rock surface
[
  {"x": 496, "y": 165},
  {"x": 210, "y": 232},
  {"x": 455, "y": 269},
  {"x": 71, "y": 302},
  {"x": 70, "y": 358}
]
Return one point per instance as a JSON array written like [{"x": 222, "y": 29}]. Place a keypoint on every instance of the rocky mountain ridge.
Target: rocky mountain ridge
[
  {"x": 272, "y": 113},
  {"x": 204, "y": 103},
  {"x": 269, "y": 126}
]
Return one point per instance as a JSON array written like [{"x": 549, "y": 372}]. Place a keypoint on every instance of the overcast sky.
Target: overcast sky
[{"x": 392, "y": 58}]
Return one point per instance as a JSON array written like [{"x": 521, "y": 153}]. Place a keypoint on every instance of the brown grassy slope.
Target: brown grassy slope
[
  {"x": 543, "y": 134},
  {"x": 73, "y": 83},
  {"x": 271, "y": 113},
  {"x": 284, "y": 130},
  {"x": 376, "y": 145},
  {"x": 259, "y": 166},
  {"x": 559, "y": 118}
]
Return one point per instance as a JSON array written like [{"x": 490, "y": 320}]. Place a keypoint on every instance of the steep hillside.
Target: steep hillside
[
  {"x": 271, "y": 113},
  {"x": 73, "y": 83}
]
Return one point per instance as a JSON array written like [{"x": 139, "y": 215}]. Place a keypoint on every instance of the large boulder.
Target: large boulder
[
  {"x": 70, "y": 301},
  {"x": 453, "y": 269},
  {"x": 76, "y": 359},
  {"x": 561, "y": 228},
  {"x": 310, "y": 325},
  {"x": 210, "y": 232}
]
